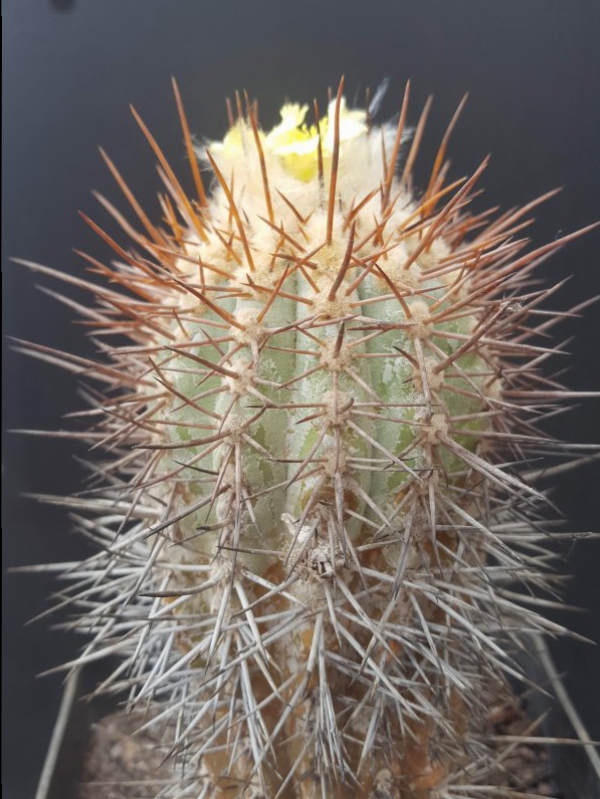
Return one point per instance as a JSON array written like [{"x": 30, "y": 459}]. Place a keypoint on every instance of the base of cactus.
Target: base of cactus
[{"x": 97, "y": 751}]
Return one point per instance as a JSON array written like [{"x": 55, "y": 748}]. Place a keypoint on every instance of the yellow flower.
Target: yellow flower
[{"x": 296, "y": 144}]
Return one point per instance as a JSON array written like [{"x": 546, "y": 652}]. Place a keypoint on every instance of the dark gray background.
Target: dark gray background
[{"x": 70, "y": 68}]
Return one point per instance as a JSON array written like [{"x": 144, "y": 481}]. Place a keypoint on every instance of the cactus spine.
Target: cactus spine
[{"x": 315, "y": 552}]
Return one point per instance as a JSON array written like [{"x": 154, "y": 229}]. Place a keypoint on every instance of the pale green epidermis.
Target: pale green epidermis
[
  {"x": 371, "y": 484},
  {"x": 393, "y": 380},
  {"x": 269, "y": 431}
]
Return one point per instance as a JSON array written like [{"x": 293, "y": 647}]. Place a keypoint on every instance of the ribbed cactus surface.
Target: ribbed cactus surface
[{"x": 313, "y": 541}]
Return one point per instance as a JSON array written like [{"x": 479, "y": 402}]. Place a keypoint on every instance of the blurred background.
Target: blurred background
[{"x": 70, "y": 69}]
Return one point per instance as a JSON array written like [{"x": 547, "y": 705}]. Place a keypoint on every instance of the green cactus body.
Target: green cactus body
[{"x": 316, "y": 533}]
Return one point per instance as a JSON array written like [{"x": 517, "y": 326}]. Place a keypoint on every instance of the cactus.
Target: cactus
[{"x": 318, "y": 556}]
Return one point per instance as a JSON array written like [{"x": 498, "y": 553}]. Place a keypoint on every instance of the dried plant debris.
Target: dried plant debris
[{"x": 123, "y": 763}]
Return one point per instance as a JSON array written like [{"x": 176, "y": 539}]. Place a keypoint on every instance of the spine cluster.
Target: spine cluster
[{"x": 316, "y": 558}]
